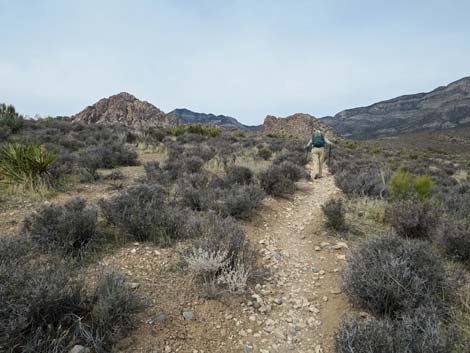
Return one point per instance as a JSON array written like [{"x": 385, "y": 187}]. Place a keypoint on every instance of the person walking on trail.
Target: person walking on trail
[{"x": 317, "y": 144}]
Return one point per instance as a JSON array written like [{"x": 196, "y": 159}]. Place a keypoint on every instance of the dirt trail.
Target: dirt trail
[
  {"x": 296, "y": 308},
  {"x": 300, "y": 306}
]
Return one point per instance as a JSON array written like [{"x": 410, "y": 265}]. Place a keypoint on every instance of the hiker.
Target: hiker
[{"x": 317, "y": 144}]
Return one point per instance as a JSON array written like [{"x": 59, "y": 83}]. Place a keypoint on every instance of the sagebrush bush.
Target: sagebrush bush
[
  {"x": 293, "y": 171},
  {"x": 453, "y": 236},
  {"x": 412, "y": 218},
  {"x": 113, "y": 303},
  {"x": 238, "y": 175},
  {"x": 393, "y": 276},
  {"x": 299, "y": 157},
  {"x": 68, "y": 229},
  {"x": 264, "y": 153},
  {"x": 144, "y": 212},
  {"x": 274, "y": 182},
  {"x": 455, "y": 200},
  {"x": 222, "y": 255},
  {"x": 107, "y": 156},
  {"x": 422, "y": 333},
  {"x": 239, "y": 201},
  {"x": 335, "y": 214},
  {"x": 44, "y": 305}
]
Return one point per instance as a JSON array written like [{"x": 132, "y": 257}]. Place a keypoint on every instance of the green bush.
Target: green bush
[
  {"x": 402, "y": 185},
  {"x": 194, "y": 129},
  {"x": 423, "y": 185},
  {"x": 25, "y": 165}
]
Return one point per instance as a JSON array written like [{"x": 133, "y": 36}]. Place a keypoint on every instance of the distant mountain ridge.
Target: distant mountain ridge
[
  {"x": 189, "y": 117},
  {"x": 444, "y": 107}
]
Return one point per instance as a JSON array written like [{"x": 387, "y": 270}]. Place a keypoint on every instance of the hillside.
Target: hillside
[
  {"x": 189, "y": 117},
  {"x": 443, "y": 108},
  {"x": 298, "y": 125},
  {"x": 124, "y": 108}
]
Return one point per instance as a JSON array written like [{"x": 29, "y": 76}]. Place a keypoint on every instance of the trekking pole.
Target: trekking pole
[{"x": 329, "y": 153}]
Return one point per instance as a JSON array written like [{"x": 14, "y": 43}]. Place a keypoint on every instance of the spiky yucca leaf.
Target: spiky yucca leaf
[{"x": 25, "y": 164}]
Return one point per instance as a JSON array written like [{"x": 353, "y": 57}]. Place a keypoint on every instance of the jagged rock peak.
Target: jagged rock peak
[{"x": 124, "y": 108}]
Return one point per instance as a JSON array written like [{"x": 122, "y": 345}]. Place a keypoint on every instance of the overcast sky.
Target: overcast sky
[{"x": 244, "y": 58}]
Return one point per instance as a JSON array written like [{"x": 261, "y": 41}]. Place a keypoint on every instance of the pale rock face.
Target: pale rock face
[
  {"x": 443, "y": 108},
  {"x": 298, "y": 125}
]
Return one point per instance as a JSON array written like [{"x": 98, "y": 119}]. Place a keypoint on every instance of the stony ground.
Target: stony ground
[
  {"x": 294, "y": 306},
  {"x": 301, "y": 304}
]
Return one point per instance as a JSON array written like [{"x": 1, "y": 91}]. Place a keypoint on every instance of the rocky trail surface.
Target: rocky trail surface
[
  {"x": 299, "y": 307},
  {"x": 294, "y": 306}
]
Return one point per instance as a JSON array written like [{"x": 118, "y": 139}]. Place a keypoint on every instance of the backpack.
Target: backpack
[{"x": 318, "y": 140}]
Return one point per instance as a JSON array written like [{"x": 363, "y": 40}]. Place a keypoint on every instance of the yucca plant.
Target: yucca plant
[
  {"x": 10, "y": 118},
  {"x": 25, "y": 165}
]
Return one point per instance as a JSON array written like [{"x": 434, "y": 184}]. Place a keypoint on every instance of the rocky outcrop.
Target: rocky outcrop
[
  {"x": 298, "y": 125},
  {"x": 124, "y": 108},
  {"x": 189, "y": 117},
  {"x": 443, "y": 108}
]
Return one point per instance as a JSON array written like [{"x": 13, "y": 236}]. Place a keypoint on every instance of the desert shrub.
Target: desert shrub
[
  {"x": 264, "y": 153},
  {"x": 393, "y": 276},
  {"x": 363, "y": 180},
  {"x": 238, "y": 175},
  {"x": 236, "y": 200},
  {"x": 194, "y": 129},
  {"x": 69, "y": 228},
  {"x": 401, "y": 184},
  {"x": 423, "y": 186},
  {"x": 144, "y": 212},
  {"x": 222, "y": 256},
  {"x": 453, "y": 236},
  {"x": 293, "y": 171},
  {"x": 109, "y": 156},
  {"x": 115, "y": 175},
  {"x": 404, "y": 185},
  {"x": 193, "y": 193},
  {"x": 421, "y": 333},
  {"x": 113, "y": 303},
  {"x": 455, "y": 200},
  {"x": 25, "y": 165},
  {"x": 412, "y": 218},
  {"x": 177, "y": 167},
  {"x": 44, "y": 305},
  {"x": 10, "y": 119},
  {"x": 239, "y": 201},
  {"x": 154, "y": 174},
  {"x": 299, "y": 157},
  {"x": 202, "y": 151},
  {"x": 335, "y": 214},
  {"x": 274, "y": 182}
]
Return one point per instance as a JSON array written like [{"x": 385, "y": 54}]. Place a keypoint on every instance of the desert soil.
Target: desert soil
[{"x": 294, "y": 304}]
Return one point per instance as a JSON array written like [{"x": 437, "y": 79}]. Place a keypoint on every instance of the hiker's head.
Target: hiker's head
[{"x": 317, "y": 131}]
